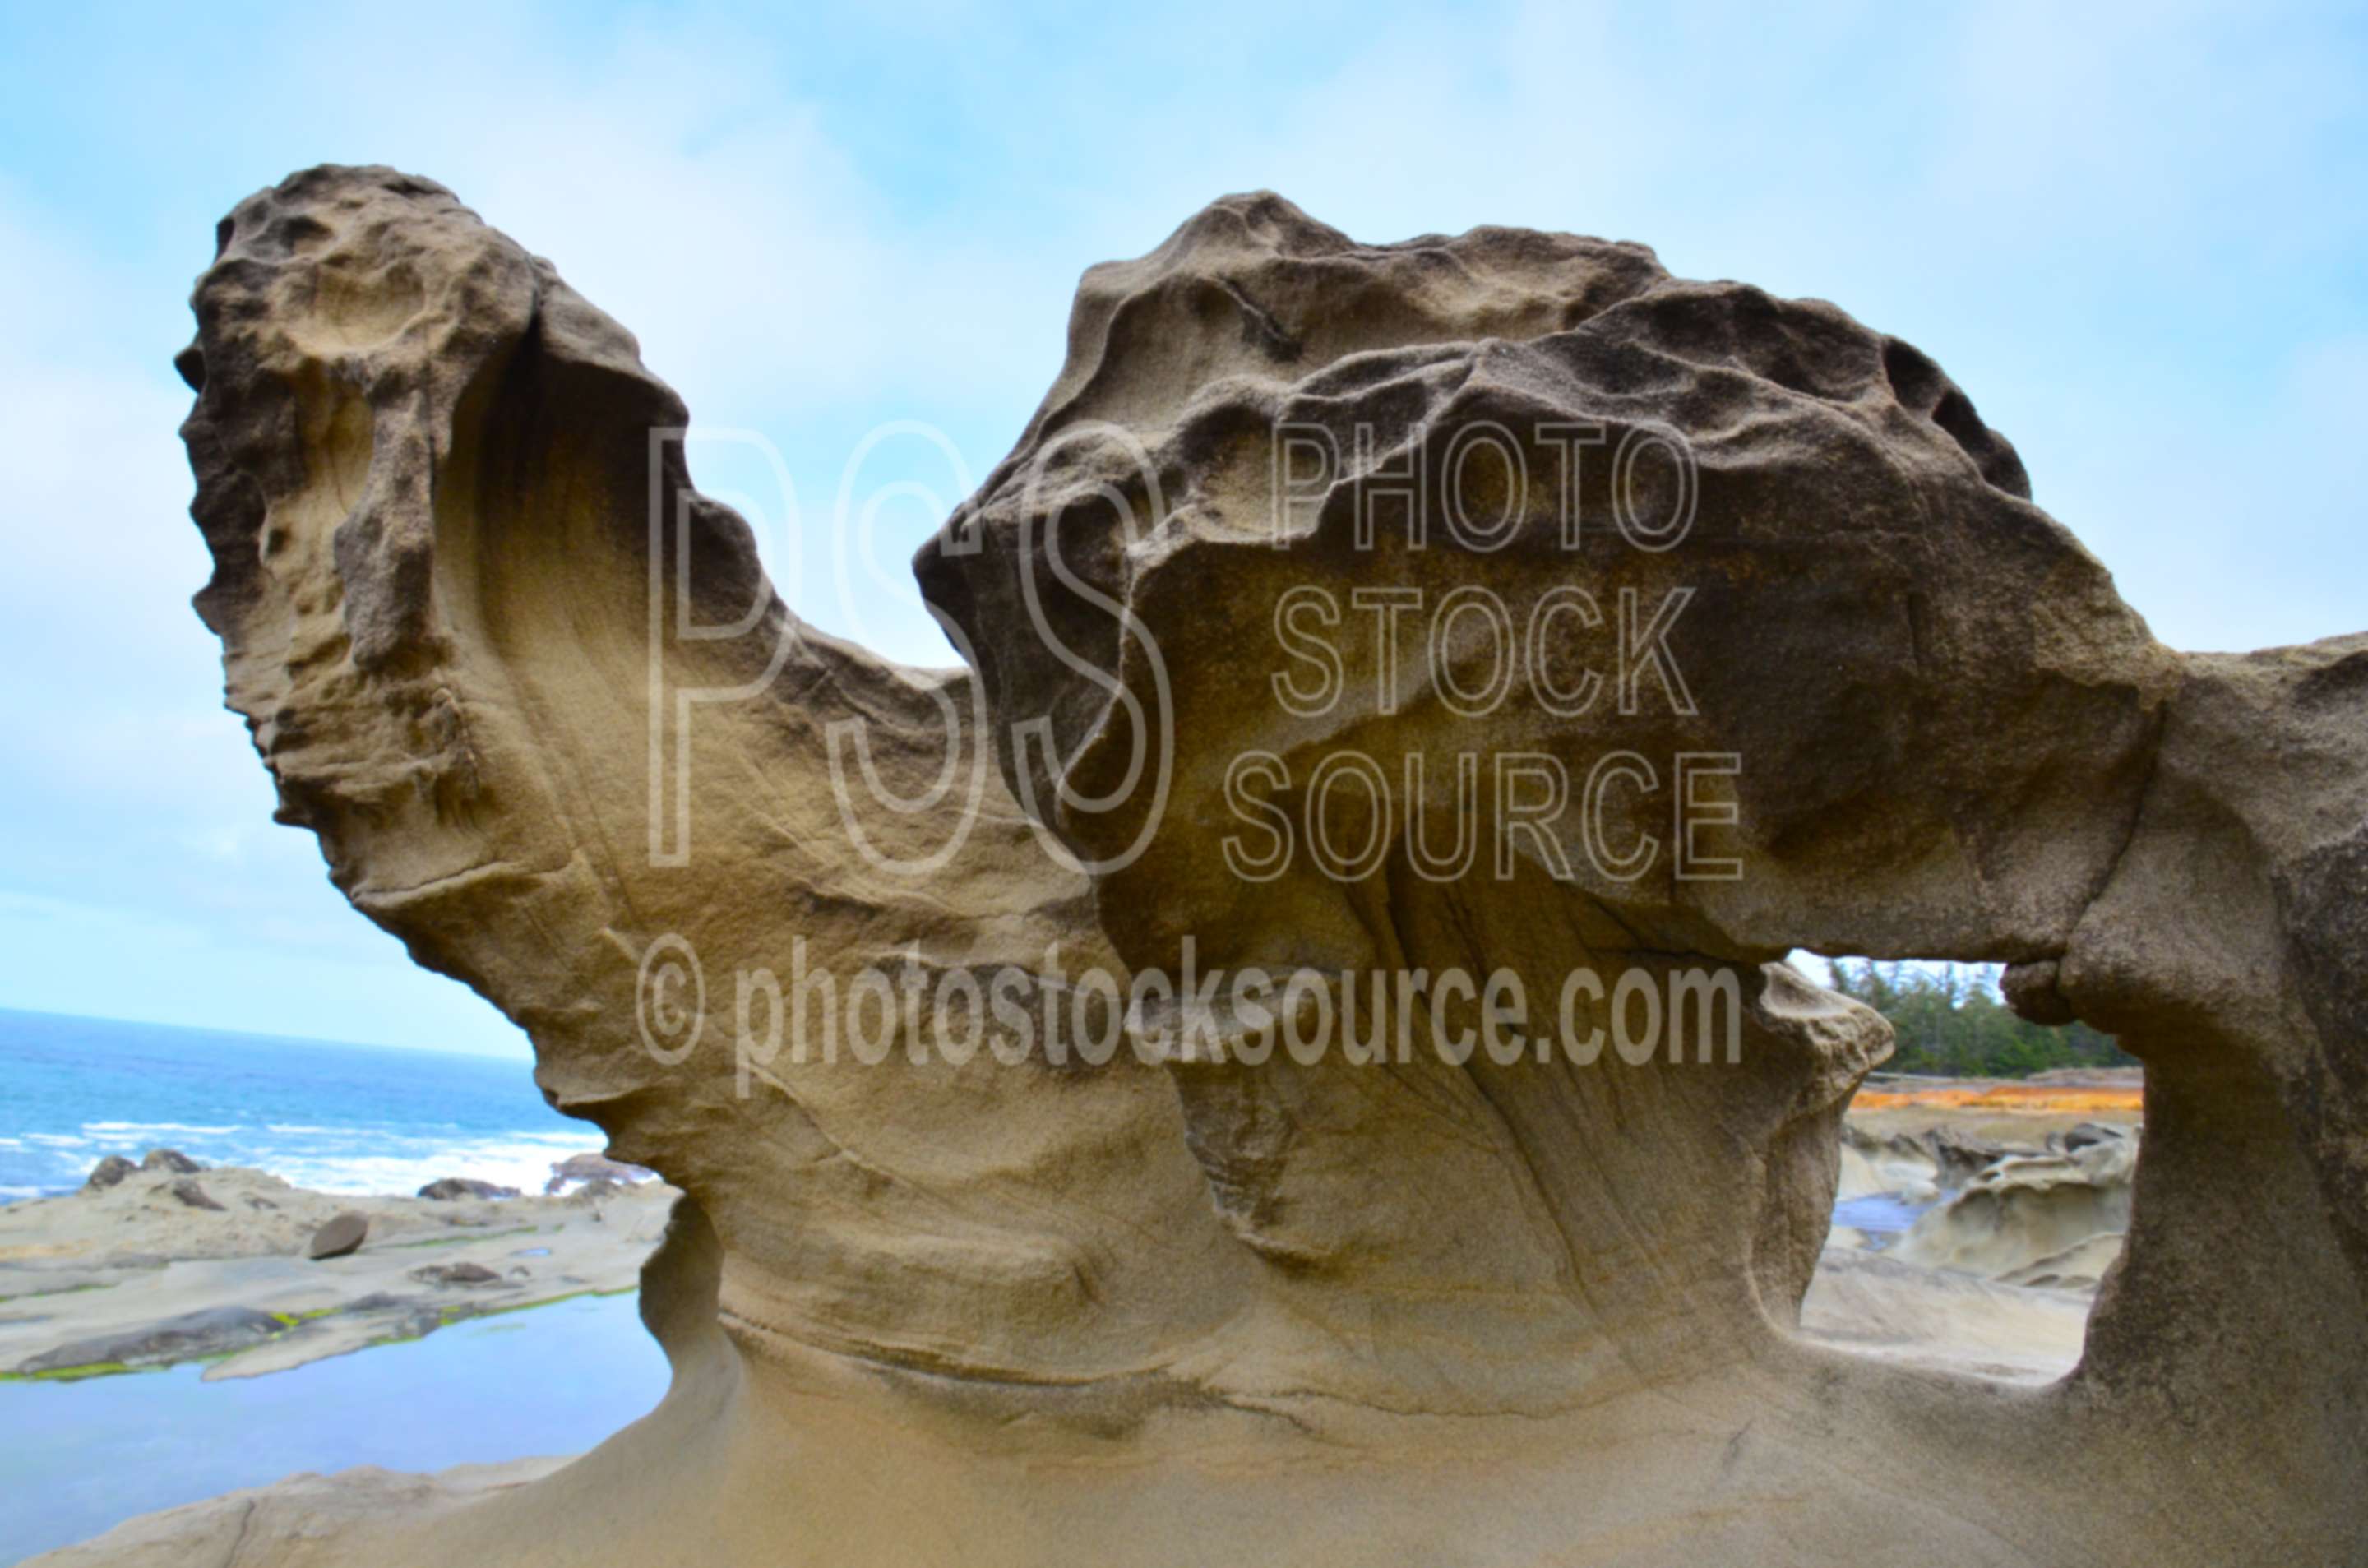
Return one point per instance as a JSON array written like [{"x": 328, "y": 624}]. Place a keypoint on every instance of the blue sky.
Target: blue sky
[{"x": 2138, "y": 235}]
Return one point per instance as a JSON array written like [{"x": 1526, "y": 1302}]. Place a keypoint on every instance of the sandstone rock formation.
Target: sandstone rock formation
[
  {"x": 1869, "y": 1303},
  {"x": 448, "y": 1190},
  {"x": 130, "y": 1266},
  {"x": 588, "y": 1169},
  {"x": 2057, "y": 1216},
  {"x": 130, "y": 1270},
  {"x": 1204, "y": 1302}
]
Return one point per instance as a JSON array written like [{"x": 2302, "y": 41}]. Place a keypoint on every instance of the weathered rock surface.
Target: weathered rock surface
[
  {"x": 1997, "y": 1275},
  {"x": 119, "y": 1267},
  {"x": 218, "y": 1529},
  {"x": 2083, "y": 1268},
  {"x": 261, "y": 1215},
  {"x": 209, "y": 1331},
  {"x": 445, "y": 1190},
  {"x": 554, "y": 730},
  {"x": 2052, "y": 1215},
  {"x": 590, "y": 1168},
  {"x": 108, "y": 1173},
  {"x": 1870, "y": 1303}
]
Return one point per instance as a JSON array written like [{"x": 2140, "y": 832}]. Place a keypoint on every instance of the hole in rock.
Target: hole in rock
[{"x": 1987, "y": 1173}]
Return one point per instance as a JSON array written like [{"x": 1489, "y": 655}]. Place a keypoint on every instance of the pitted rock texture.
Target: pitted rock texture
[
  {"x": 425, "y": 469},
  {"x": 1186, "y": 1308}
]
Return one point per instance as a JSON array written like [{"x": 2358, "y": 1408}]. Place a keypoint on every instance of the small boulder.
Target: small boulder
[
  {"x": 109, "y": 1172},
  {"x": 342, "y": 1234},
  {"x": 196, "y": 1196},
  {"x": 2090, "y": 1134},
  {"x": 447, "y": 1189},
  {"x": 170, "y": 1160},
  {"x": 456, "y": 1274}
]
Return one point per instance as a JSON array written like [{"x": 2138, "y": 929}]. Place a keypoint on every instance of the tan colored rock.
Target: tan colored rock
[
  {"x": 121, "y": 1269},
  {"x": 218, "y": 1529},
  {"x": 590, "y": 1169},
  {"x": 2028, "y": 1215},
  {"x": 2082, "y": 1267},
  {"x": 1955, "y": 741},
  {"x": 447, "y": 667},
  {"x": 447, "y": 1189},
  {"x": 1194, "y": 1308},
  {"x": 1871, "y": 1304}
]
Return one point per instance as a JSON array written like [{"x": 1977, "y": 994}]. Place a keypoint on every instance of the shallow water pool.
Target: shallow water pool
[
  {"x": 1879, "y": 1215},
  {"x": 76, "y": 1458}
]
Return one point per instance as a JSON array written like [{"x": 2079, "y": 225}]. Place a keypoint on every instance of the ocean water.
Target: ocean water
[{"x": 334, "y": 1118}]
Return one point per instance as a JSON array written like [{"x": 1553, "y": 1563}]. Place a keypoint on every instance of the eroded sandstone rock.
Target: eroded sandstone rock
[
  {"x": 589, "y": 1169},
  {"x": 448, "y": 1190},
  {"x": 2057, "y": 1216},
  {"x": 554, "y": 730}
]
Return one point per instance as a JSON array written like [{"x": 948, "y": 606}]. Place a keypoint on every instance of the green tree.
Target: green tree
[{"x": 1951, "y": 1021}]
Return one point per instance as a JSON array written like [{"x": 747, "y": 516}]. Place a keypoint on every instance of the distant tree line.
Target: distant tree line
[{"x": 1952, "y": 1021}]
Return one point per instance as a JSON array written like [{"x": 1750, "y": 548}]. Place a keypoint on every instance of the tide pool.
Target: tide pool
[
  {"x": 78, "y": 1459},
  {"x": 1882, "y": 1216}
]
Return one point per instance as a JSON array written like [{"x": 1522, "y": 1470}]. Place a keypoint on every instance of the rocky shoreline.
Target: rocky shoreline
[
  {"x": 2004, "y": 1169},
  {"x": 2020, "y": 1192},
  {"x": 2023, "y": 1205},
  {"x": 168, "y": 1262}
]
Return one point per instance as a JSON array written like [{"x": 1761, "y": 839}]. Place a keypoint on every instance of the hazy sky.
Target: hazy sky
[{"x": 2133, "y": 232}]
